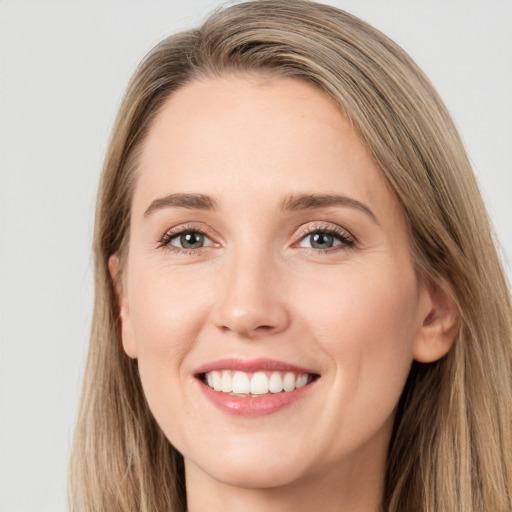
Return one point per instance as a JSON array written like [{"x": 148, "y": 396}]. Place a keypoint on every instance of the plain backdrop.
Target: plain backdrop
[{"x": 63, "y": 68}]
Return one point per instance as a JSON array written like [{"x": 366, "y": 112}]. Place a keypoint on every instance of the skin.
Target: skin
[{"x": 355, "y": 313}]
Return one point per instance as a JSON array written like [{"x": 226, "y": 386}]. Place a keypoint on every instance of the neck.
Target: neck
[{"x": 340, "y": 490}]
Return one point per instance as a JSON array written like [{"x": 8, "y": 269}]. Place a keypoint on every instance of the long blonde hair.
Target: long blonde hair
[{"x": 451, "y": 446}]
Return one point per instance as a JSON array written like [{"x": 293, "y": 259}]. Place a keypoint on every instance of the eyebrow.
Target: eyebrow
[
  {"x": 290, "y": 203},
  {"x": 191, "y": 201},
  {"x": 312, "y": 201}
]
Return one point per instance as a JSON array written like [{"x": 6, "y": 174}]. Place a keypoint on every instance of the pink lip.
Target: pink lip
[
  {"x": 251, "y": 366},
  {"x": 252, "y": 406}
]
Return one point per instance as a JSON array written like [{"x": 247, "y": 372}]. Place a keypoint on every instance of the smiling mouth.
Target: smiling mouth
[{"x": 255, "y": 384}]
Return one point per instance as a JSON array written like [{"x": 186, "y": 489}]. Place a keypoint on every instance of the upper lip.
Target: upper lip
[{"x": 251, "y": 366}]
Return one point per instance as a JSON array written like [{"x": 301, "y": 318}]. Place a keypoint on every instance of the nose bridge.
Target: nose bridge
[{"x": 250, "y": 302}]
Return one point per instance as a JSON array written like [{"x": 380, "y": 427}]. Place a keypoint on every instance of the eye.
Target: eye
[
  {"x": 187, "y": 240},
  {"x": 191, "y": 240},
  {"x": 326, "y": 238}
]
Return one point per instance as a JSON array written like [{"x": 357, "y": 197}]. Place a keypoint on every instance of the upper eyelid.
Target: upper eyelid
[
  {"x": 324, "y": 226},
  {"x": 188, "y": 227},
  {"x": 313, "y": 229}
]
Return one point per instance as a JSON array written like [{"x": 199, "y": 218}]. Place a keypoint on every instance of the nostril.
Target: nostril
[
  {"x": 264, "y": 328},
  {"x": 249, "y": 333}
]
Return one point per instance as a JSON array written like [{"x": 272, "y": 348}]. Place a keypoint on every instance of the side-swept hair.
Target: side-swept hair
[{"x": 451, "y": 448}]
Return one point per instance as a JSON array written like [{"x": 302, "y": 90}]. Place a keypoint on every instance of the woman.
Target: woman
[{"x": 299, "y": 303}]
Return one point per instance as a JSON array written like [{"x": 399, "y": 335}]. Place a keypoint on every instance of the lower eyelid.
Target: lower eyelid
[{"x": 339, "y": 244}]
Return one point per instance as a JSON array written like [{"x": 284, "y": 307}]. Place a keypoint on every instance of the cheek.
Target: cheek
[
  {"x": 366, "y": 324},
  {"x": 166, "y": 315},
  {"x": 358, "y": 312},
  {"x": 165, "y": 310}
]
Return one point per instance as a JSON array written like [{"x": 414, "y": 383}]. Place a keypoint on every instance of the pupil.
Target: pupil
[
  {"x": 191, "y": 240},
  {"x": 321, "y": 240}
]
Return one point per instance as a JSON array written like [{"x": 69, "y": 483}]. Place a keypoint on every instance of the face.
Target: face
[{"x": 266, "y": 250}]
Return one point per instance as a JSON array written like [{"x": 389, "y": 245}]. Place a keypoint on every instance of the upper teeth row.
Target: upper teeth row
[{"x": 258, "y": 383}]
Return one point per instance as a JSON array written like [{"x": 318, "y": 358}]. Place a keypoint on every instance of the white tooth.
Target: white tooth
[
  {"x": 301, "y": 381},
  {"x": 217, "y": 385},
  {"x": 209, "y": 379},
  {"x": 259, "y": 384},
  {"x": 275, "y": 384},
  {"x": 289, "y": 382},
  {"x": 241, "y": 383},
  {"x": 227, "y": 382}
]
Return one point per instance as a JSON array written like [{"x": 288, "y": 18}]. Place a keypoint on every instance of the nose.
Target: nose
[{"x": 252, "y": 301}]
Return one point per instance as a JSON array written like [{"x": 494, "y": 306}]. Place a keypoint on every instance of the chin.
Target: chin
[
  {"x": 253, "y": 471},
  {"x": 251, "y": 476}
]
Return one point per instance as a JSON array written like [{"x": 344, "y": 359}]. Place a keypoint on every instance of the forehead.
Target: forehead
[{"x": 252, "y": 139}]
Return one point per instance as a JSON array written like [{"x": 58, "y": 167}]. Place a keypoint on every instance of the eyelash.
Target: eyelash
[
  {"x": 165, "y": 241},
  {"x": 346, "y": 239}
]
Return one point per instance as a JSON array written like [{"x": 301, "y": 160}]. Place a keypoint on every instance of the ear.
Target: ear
[
  {"x": 127, "y": 337},
  {"x": 440, "y": 319}
]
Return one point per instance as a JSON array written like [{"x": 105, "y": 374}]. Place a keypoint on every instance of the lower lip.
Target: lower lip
[{"x": 256, "y": 405}]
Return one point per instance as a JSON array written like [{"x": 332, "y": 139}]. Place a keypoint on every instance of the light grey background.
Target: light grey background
[{"x": 63, "y": 68}]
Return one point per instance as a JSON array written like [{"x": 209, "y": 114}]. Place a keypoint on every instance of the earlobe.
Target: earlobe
[
  {"x": 127, "y": 337},
  {"x": 440, "y": 320}
]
